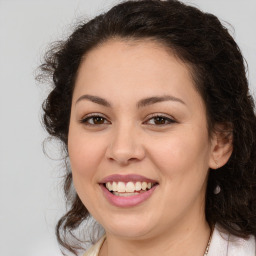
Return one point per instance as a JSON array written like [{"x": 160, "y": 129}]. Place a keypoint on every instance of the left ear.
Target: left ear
[{"x": 221, "y": 145}]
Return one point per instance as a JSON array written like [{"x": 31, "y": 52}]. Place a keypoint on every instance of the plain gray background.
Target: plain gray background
[{"x": 30, "y": 192}]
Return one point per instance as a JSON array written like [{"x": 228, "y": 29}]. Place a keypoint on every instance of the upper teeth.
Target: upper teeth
[{"x": 128, "y": 187}]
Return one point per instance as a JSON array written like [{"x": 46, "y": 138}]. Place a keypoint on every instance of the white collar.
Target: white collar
[{"x": 225, "y": 244}]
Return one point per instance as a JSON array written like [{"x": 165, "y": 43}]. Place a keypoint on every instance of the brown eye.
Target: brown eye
[
  {"x": 98, "y": 120},
  {"x": 94, "y": 120},
  {"x": 160, "y": 120}
]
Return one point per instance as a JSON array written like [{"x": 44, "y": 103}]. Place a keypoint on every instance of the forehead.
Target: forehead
[
  {"x": 133, "y": 68},
  {"x": 122, "y": 51},
  {"x": 135, "y": 57}
]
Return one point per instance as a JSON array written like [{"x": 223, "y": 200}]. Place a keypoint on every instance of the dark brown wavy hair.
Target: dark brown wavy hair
[{"x": 218, "y": 69}]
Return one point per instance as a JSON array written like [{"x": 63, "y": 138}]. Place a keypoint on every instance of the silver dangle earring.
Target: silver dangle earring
[{"x": 217, "y": 190}]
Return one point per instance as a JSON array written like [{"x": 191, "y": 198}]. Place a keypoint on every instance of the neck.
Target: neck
[{"x": 179, "y": 241}]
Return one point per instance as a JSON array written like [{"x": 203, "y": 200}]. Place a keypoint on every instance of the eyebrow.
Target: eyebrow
[
  {"x": 142, "y": 103},
  {"x": 156, "y": 99},
  {"x": 94, "y": 99}
]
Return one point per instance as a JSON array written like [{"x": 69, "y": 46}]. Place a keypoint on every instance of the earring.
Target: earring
[{"x": 217, "y": 190}]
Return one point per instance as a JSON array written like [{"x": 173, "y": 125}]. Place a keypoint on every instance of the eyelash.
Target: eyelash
[
  {"x": 92, "y": 116},
  {"x": 163, "y": 117}
]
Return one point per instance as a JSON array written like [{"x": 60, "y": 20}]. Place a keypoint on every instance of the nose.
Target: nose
[{"x": 125, "y": 145}]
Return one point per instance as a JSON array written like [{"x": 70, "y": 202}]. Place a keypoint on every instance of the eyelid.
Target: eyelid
[
  {"x": 167, "y": 117},
  {"x": 91, "y": 115}
]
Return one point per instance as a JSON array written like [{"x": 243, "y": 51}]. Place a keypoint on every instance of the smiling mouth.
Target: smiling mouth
[{"x": 130, "y": 188}]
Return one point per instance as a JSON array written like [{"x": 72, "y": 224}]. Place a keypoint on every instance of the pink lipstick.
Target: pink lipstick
[{"x": 127, "y": 190}]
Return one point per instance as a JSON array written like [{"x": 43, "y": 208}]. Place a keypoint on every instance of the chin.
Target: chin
[{"x": 129, "y": 227}]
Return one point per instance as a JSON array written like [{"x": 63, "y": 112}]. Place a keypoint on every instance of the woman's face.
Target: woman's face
[{"x": 138, "y": 126}]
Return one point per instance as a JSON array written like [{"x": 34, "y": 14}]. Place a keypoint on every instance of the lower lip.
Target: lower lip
[{"x": 128, "y": 201}]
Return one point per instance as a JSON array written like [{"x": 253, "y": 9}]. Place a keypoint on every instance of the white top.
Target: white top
[{"x": 222, "y": 244}]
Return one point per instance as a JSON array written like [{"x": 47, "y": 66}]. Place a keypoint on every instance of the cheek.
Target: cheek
[
  {"x": 85, "y": 153},
  {"x": 182, "y": 154},
  {"x": 181, "y": 160}
]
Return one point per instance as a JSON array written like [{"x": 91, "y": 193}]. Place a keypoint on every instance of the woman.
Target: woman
[{"x": 151, "y": 103}]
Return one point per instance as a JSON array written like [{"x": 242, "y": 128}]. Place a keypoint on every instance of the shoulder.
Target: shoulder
[
  {"x": 225, "y": 244},
  {"x": 94, "y": 250}
]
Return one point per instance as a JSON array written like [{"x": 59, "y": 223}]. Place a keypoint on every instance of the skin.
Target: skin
[{"x": 129, "y": 140}]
